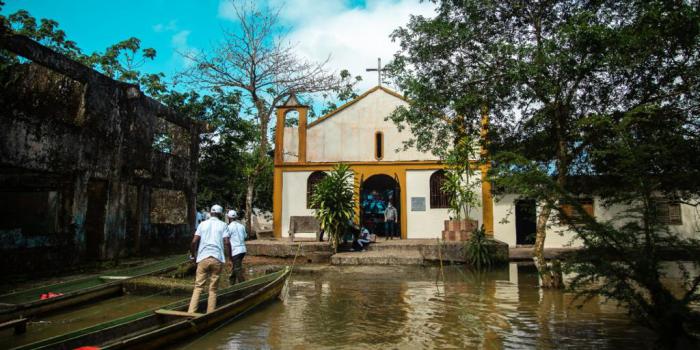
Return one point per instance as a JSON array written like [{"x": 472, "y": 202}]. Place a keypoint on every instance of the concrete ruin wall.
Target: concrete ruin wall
[{"x": 90, "y": 168}]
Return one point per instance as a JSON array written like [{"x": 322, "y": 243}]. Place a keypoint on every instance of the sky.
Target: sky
[{"x": 354, "y": 33}]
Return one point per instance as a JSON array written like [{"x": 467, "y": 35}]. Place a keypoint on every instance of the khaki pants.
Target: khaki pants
[{"x": 207, "y": 269}]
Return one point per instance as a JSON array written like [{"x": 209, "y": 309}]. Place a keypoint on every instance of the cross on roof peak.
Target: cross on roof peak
[{"x": 379, "y": 71}]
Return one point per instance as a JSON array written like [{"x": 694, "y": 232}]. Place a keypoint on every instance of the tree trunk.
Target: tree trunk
[
  {"x": 550, "y": 274},
  {"x": 249, "y": 206}
]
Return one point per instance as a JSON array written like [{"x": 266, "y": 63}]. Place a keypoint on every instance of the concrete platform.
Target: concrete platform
[
  {"x": 382, "y": 252},
  {"x": 525, "y": 253},
  {"x": 385, "y": 257}
]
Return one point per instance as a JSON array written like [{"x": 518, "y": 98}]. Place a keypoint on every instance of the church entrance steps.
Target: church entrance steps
[
  {"x": 386, "y": 257},
  {"x": 430, "y": 250}
]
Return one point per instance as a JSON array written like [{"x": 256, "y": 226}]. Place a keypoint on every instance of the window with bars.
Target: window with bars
[
  {"x": 668, "y": 211},
  {"x": 571, "y": 215},
  {"x": 311, "y": 183},
  {"x": 438, "y": 197}
]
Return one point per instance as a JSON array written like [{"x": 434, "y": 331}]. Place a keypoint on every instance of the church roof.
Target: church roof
[
  {"x": 355, "y": 100},
  {"x": 292, "y": 101}
]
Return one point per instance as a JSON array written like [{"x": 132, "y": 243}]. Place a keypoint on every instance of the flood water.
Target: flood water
[{"x": 404, "y": 308}]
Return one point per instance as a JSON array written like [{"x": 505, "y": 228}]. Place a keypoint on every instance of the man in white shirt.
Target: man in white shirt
[
  {"x": 390, "y": 216},
  {"x": 210, "y": 247},
  {"x": 238, "y": 236}
]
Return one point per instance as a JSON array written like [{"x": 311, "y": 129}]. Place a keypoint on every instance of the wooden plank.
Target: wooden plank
[
  {"x": 113, "y": 278},
  {"x": 19, "y": 324},
  {"x": 177, "y": 313}
]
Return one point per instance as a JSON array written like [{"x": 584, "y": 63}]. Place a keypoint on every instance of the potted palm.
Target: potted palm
[
  {"x": 460, "y": 184},
  {"x": 334, "y": 200}
]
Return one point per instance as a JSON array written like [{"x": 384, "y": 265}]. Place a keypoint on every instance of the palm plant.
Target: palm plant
[
  {"x": 334, "y": 198},
  {"x": 477, "y": 251}
]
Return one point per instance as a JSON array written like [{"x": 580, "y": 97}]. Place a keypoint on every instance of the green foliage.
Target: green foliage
[
  {"x": 342, "y": 93},
  {"x": 461, "y": 182},
  {"x": 648, "y": 153},
  {"x": 478, "y": 251},
  {"x": 225, "y": 151},
  {"x": 334, "y": 198},
  {"x": 121, "y": 61}
]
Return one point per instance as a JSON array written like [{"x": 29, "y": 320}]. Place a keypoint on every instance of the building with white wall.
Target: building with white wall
[{"x": 359, "y": 135}]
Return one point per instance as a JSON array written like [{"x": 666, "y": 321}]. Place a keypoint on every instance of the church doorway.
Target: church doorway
[
  {"x": 525, "y": 221},
  {"x": 376, "y": 192}
]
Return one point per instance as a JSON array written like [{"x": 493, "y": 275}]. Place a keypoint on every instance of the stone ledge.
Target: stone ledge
[{"x": 378, "y": 258}]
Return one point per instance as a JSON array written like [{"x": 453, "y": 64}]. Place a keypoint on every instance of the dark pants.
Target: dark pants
[
  {"x": 237, "y": 273},
  {"x": 390, "y": 228}
]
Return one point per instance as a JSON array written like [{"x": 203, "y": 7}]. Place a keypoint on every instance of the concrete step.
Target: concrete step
[
  {"x": 400, "y": 245},
  {"x": 386, "y": 257}
]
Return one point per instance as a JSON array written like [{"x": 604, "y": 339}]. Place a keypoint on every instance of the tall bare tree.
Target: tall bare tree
[{"x": 256, "y": 59}]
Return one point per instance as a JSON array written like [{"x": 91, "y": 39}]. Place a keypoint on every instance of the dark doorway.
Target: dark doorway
[
  {"x": 95, "y": 218},
  {"x": 375, "y": 193},
  {"x": 525, "y": 221}
]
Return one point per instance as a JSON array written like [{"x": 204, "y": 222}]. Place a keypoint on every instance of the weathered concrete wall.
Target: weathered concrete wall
[{"x": 91, "y": 150}]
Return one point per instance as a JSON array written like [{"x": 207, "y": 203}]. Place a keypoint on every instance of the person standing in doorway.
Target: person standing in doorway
[
  {"x": 210, "y": 247},
  {"x": 390, "y": 215},
  {"x": 238, "y": 250}
]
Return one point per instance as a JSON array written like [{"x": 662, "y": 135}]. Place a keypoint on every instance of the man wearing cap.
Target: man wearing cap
[
  {"x": 238, "y": 236},
  {"x": 210, "y": 247}
]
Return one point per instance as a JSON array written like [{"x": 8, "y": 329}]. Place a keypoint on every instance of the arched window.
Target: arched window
[
  {"x": 438, "y": 197},
  {"x": 378, "y": 145},
  {"x": 311, "y": 183}
]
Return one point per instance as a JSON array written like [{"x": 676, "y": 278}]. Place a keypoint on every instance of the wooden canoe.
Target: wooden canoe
[
  {"x": 27, "y": 303},
  {"x": 151, "y": 329}
]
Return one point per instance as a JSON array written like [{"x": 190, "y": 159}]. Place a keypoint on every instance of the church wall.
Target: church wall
[
  {"x": 294, "y": 197},
  {"x": 349, "y": 135},
  {"x": 504, "y": 219},
  {"x": 291, "y": 144},
  {"x": 429, "y": 223},
  {"x": 561, "y": 236}
]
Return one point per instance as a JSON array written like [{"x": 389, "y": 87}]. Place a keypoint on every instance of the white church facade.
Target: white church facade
[{"x": 357, "y": 134}]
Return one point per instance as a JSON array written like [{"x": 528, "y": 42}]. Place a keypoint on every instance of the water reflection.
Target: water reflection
[{"x": 404, "y": 308}]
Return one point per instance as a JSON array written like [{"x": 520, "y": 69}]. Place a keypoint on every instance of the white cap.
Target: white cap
[
  {"x": 217, "y": 209},
  {"x": 232, "y": 214}
]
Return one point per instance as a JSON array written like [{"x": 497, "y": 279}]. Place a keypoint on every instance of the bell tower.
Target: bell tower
[{"x": 292, "y": 104}]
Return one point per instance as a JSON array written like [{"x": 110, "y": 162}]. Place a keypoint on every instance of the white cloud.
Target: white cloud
[
  {"x": 171, "y": 26},
  {"x": 181, "y": 46},
  {"x": 353, "y": 37}
]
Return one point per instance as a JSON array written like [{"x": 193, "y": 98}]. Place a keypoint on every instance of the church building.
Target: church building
[{"x": 359, "y": 135}]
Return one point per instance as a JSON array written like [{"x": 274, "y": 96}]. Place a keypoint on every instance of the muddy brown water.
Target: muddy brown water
[
  {"x": 392, "y": 308},
  {"x": 404, "y": 308}
]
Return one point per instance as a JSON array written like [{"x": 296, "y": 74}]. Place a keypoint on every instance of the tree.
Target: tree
[
  {"x": 223, "y": 149},
  {"x": 342, "y": 93},
  {"x": 120, "y": 61},
  {"x": 538, "y": 68},
  {"x": 585, "y": 97},
  {"x": 647, "y": 159},
  {"x": 255, "y": 60},
  {"x": 334, "y": 200}
]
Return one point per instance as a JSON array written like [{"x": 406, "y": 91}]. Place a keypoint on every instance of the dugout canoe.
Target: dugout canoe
[
  {"x": 154, "y": 328},
  {"x": 27, "y": 303}
]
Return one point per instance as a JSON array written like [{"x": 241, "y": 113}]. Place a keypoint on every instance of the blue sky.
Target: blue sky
[{"x": 353, "y": 33}]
